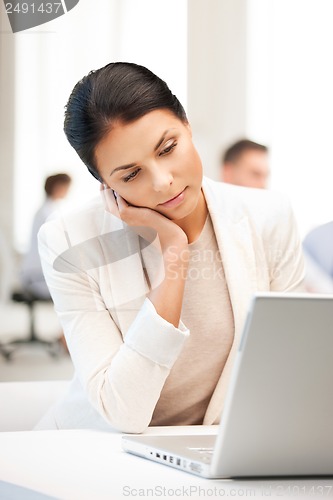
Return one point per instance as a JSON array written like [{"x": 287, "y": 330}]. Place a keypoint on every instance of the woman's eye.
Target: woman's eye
[
  {"x": 131, "y": 176},
  {"x": 168, "y": 149}
]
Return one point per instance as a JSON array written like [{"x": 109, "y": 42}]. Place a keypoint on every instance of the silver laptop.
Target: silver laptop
[{"x": 278, "y": 413}]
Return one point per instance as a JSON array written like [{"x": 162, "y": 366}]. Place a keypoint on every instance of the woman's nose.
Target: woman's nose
[{"x": 162, "y": 180}]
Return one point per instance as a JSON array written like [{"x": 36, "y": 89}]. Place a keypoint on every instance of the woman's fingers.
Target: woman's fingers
[
  {"x": 122, "y": 204},
  {"x": 145, "y": 221}
]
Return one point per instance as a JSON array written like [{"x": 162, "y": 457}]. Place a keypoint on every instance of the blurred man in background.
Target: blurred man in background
[
  {"x": 246, "y": 163},
  {"x": 33, "y": 282}
]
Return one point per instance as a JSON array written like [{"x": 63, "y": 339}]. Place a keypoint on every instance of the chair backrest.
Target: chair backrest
[{"x": 22, "y": 404}]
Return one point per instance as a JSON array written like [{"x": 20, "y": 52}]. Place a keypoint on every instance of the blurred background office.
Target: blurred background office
[{"x": 242, "y": 68}]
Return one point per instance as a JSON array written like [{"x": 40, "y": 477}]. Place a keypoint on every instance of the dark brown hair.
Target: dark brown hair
[
  {"x": 233, "y": 153},
  {"x": 53, "y": 181},
  {"x": 117, "y": 92}
]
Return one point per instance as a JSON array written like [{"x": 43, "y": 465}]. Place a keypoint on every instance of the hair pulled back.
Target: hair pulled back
[{"x": 119, "y": 91}]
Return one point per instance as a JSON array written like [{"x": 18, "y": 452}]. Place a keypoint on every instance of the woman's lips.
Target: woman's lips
[{"x": 173, "y": 202}]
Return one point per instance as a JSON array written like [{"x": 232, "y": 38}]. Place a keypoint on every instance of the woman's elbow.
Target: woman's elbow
[{"x": 128, "y": 425}]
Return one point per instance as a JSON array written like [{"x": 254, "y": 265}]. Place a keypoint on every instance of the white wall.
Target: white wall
[
  {"x": 217, "y": 77},
  {"x": 291, "y": 100},
  {"x": 154, "y": 33},
  {"x": 7, "y": 75}
]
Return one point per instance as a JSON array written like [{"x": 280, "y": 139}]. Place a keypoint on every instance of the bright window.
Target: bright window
[{"x": 290, "y": 100}]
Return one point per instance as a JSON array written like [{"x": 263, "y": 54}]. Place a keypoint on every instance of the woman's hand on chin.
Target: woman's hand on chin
[{"x": 149, "y": 223}]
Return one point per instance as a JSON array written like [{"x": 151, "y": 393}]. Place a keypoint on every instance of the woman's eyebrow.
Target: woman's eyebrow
[
  {"x": 162, "y": 138},
  {"x": 130, "y": 165},
  {"x": 122, "y": 167}
]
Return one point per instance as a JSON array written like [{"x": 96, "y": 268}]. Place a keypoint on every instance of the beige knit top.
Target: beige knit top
[{"x": 207, "y": 313}]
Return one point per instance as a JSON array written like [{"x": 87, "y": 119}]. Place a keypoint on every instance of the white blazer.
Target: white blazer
[{"x": 99, "y": 272}]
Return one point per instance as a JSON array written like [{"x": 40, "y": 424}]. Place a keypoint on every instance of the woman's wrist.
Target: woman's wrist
[{"x": 176, "y": 255}]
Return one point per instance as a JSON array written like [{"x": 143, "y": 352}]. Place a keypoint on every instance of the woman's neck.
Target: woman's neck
[{"x": 193, "y": 224}]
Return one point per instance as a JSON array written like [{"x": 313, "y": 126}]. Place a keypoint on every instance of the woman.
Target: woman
[{"x": 152, "y": 281}]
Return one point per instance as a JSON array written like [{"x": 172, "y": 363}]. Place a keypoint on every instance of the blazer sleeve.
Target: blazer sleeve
[{"x": 122, "y": 377}]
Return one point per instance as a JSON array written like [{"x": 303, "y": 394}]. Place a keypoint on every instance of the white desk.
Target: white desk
[{"x": 90, "y": 465}]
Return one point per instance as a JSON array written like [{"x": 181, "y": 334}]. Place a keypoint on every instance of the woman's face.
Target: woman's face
[{"x": 153, "y": 163}]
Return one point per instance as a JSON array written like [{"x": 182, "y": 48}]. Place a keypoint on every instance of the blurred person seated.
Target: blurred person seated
[
  {"x": 33, "y": 283},
  {"x": 318, "y": 252},
  {"x": 246, "y": 163}
]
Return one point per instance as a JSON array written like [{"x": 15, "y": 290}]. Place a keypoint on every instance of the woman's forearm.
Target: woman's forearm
[{"x": 167, "y": 297}]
